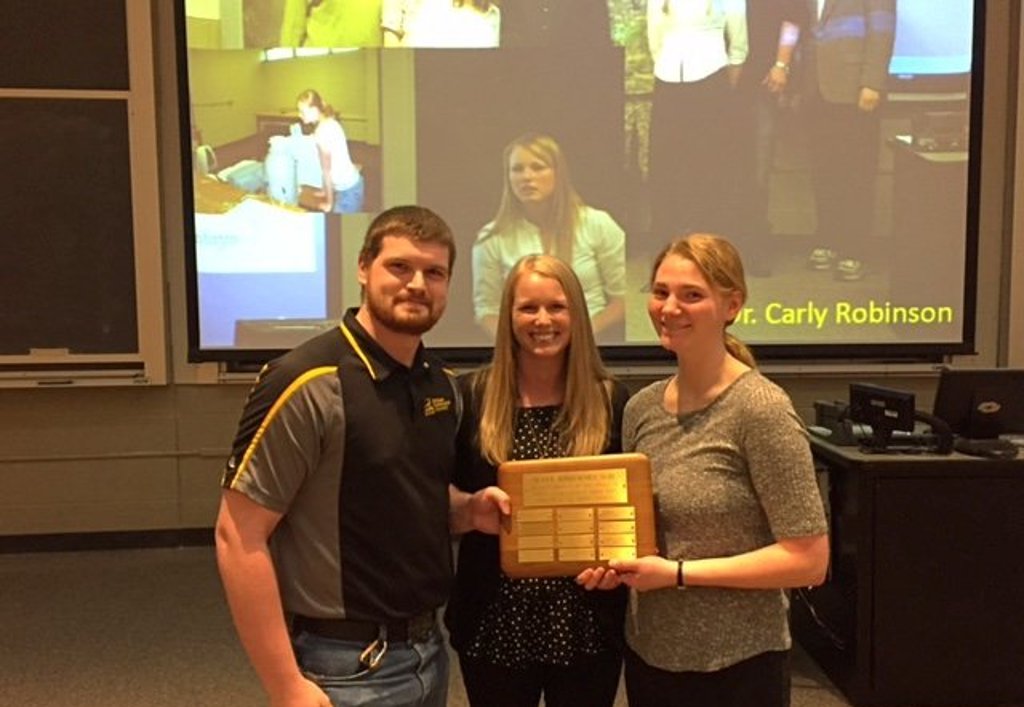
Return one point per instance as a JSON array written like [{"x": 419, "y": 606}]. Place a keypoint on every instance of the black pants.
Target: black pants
[
  {"x": 761, "y": 681},
  {"x": 756, "y": 117},
  {"x": 586, "y": 683},
  {"x": 692, "y": 158},
  {"x": 844, "y": 146}
]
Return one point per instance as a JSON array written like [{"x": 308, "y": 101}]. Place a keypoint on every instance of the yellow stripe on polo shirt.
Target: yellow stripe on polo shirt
[
  {"x": 359, "y": 351},
  {"x": 275, "y": 409}
]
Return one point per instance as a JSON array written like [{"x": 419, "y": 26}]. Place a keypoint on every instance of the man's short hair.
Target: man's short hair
[{"x": 417, "y": 223}]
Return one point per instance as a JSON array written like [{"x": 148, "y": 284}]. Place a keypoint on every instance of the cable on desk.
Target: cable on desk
[{"x": 832, "y": 636}]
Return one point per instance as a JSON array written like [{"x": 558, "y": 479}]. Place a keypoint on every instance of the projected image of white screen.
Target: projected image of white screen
[{"x": 829, "y": 143}]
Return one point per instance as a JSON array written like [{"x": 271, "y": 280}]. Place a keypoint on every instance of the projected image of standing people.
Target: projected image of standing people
[
  {"x": 541, "y": 212},
  {"x": 846, "y": 63},
  {"x": 773, "y": 30},
  {"x": 698, "y": 48},
  {"x": 835, "y": 142}
]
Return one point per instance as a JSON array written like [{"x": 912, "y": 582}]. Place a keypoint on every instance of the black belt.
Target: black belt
[{"x": 414, "y": 630}]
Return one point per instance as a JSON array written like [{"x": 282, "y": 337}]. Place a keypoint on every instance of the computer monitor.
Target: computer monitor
[
  {"x": 885, "y": 410},
  {"x": 981, "y": 403}
]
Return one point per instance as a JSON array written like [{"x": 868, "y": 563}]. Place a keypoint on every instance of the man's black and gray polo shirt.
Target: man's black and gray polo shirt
[{"x": 356, "y": 451}]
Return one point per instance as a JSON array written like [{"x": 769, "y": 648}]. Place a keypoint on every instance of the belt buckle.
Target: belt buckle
[{"x": 420, "y": 626}]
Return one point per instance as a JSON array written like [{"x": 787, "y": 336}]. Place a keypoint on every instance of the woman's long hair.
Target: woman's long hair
[
  {"x": 585, "y": 418},
  {"x": 719, "y": 262},
  {"x": 564, "y": 208}
]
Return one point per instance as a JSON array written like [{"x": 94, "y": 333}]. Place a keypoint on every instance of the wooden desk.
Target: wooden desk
[
  {"x": 212, "y": 196},
  {"x": 924, "y": 602}
]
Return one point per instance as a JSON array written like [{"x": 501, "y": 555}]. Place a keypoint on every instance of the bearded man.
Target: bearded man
[{"x": 333, "y": 536}]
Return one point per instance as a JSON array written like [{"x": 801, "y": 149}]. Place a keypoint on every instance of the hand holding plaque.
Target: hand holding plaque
[{"x": 572, "y": 513}]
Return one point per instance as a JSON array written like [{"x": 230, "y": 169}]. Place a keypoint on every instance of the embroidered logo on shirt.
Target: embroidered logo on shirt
[{"x": 432, "y": 406}]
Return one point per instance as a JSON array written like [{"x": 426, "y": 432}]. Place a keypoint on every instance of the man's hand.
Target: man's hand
[
  {"x": 302, "y": 694},
  {"x": 869, "y": 99},
  {"x": 489, "y": 508},
  {"x": 776, "y": 79},
  {"x": 486, "y": 510}
]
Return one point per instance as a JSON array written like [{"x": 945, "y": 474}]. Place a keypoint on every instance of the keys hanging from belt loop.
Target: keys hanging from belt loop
[{"x": 374, "y": 653}]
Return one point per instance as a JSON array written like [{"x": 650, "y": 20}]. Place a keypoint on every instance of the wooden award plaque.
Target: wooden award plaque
[{"x": 571, "y": 513}]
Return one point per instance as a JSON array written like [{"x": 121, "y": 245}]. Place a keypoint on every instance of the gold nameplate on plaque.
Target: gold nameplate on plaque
[
  {"x": 591, "y": 487},
  {"x": 571, "y": 513}
]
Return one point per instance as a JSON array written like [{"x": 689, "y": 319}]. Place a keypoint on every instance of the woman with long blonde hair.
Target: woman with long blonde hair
[
  {"x": 541, "y": 212},
  {"x": 545, "y": 394}
]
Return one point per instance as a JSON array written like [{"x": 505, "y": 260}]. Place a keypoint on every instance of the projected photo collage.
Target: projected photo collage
[{"x": 832, "y": 150}]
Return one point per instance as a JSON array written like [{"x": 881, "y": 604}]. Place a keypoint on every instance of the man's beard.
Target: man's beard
[{"x": 404, "y": 322}]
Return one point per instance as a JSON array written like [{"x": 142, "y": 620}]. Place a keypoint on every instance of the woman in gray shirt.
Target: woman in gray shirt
[{"x": 739, "y": 514}]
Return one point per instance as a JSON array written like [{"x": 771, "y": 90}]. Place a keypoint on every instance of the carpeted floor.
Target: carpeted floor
[{"x": 149, "y": 628}]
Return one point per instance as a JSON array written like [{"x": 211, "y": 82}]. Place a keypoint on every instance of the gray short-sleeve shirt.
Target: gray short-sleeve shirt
[{"x": 730, "y": 478}]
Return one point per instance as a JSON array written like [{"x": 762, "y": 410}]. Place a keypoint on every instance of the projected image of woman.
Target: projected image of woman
[
  {"x": 541, "y": 212},
  {"x": 343, "y": 187},
  {"x": 739, "y": 510},
  {"x": 449, "y": 24},
  {"x": 698, "y": 47},
  {"x": 545, "y": 394}
]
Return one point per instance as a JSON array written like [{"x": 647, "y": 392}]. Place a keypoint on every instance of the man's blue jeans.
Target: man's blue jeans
[{"x": 409, "y": 674}]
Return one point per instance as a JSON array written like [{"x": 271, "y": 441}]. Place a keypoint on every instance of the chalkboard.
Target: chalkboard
[
  {"x": 68, "y": 269},
  {"x": 80, "y": 44}
]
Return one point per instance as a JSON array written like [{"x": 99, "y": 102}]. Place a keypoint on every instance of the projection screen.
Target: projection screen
[{"x": 835, "y": 150}]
